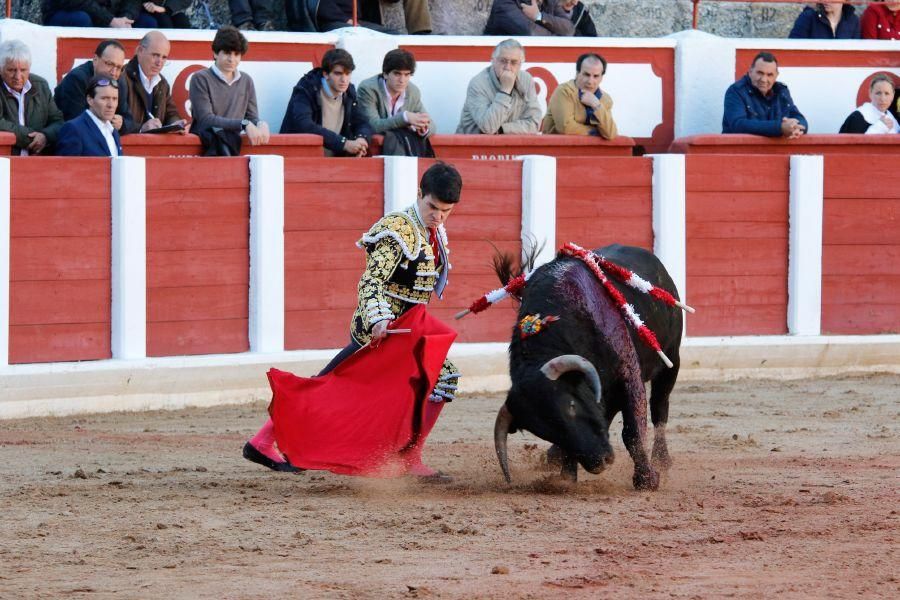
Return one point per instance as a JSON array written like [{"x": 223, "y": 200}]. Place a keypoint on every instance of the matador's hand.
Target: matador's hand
[{"x": 379, "y": 332}]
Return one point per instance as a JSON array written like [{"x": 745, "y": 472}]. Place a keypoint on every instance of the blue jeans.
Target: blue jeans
[{"x": 69, "y": 18}]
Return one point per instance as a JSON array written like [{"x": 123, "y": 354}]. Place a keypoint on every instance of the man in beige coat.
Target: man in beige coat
[
  {"x": 390, "y": 100},
  {"x": 501, "y": 98},
  {"x": 579, "y": 106}
]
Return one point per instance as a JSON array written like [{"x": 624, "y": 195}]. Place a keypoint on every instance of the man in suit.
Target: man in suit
[
  {"x": 92, "y": 133},
  {"x": 108, "y": 62}
]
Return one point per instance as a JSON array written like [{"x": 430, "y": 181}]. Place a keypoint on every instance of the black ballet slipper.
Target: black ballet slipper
[{"x": 254, "y": 455}]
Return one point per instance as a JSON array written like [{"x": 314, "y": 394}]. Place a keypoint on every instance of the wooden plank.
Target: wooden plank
[
  {"x": 59, "y": 217},
  {"x": 724, "y": 291},
  {"x": 726, "y": 230},
  {"x": 484, "y": 175},
  {"x": 865, "y": 176},
  {"x": 710, "y": 173},
  {"x": 870, "y": 260},
  {"x": 335, "y": 170},
  {"x": 594, "y": 234},
  {"x": 50, "y": 259},
  {"x": 861, "y": 220},
  {"x": 196, "y": 172},
  {"x": 729, "y": 258},
  {"x": 467, "y": 227},
  {"x": 494, "y": 327},
  {"x": 65, "y": 301},
  {"x": 316, "y": 329},
  {"x": 64, "y": 177},
  {"x": 197, "y": 303},
  {"x": 363, "y": 196},
  {"x": 309, "y": 290},
  {"x": 305, "y": 210},
  {"x": 603, "y": 203},
  {"x": 178, "y": 338},
  {"x": 860, "y": 289},
  {"x": 198, "y": 234},
  {"x": 606, "y": 171},
  {"x": 59, "y": 342},
  {"x": 322, "y": 250},
  {"x": 743, "y": 319},
  {"x": 189, "y": 203},
  {"x": 197, "y": 268},
  {"x": 860, "y": 319},
  {"x": 749, "y": 207}
]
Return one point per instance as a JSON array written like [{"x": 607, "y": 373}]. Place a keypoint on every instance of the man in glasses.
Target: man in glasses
[
  {"x": 108, "y": 62},
  {"x": 149, "y": 94},
  {"x": 92, "y": 133},
  {"x": 501, "y": 98}
]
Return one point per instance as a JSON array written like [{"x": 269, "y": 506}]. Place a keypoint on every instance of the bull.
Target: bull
[{"x": 572, "y": 378}]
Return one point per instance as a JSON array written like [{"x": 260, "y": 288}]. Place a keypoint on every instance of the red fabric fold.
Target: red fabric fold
[{"x": 366, "y": 416}]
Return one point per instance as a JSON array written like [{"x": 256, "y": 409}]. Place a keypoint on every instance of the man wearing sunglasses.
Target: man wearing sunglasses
[
  {"x": 109, "y": 63},
  {"x": 92, "y": 133}
]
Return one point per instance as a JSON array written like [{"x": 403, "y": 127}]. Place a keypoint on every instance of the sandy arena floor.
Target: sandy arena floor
[{"x": 779, "y": 489}]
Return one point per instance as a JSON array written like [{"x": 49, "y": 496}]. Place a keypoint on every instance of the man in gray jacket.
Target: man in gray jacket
[
  {"x": 501, "y": 98},
  {"x": 390, "y": 100}
]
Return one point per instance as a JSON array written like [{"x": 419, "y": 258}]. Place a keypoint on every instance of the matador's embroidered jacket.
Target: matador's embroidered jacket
[{"x": 400, "y": 273}]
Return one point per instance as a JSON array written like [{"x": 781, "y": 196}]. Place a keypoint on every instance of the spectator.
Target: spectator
[
  {"x": 324, "y": 103},
  {"x": 167, "y": 14},
  {"x": 874, "y": 116},
  {"x": 95, "y": 13},
  {"x": 108, "y": 62},
  {"x": 539, "y": 17},
  {"x": 393, "y": 105},
  {"x": 881, "y": 21},
  {"x": 501, "y": 98},
  {"x": 758, "y": 104},
  {"x": 579, "y": 106},
  {"x": 827, "y": 21},
  {"x": 253, "y": 15},
  {"x": 149, "y": 95},
  {"x": 27, "y": 110},
  {"x": 224, "y": 98},
  {"x": 334, "y": 14},
  {"x": 92, "y": 132},
  {"x": 580, "y": 17}
]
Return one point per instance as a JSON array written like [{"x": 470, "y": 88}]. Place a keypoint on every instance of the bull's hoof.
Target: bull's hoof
[
  {"x": 646, "y": 480},
  {"x": 555, "y": 457}
]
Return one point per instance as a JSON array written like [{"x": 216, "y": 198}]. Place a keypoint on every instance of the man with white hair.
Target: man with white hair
[
  {"x": 27, "y": 108},
  {"x": 502, "y": 98}
]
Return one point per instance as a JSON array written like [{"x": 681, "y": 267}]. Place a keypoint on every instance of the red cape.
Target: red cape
[{"x": 365, "y": 416}]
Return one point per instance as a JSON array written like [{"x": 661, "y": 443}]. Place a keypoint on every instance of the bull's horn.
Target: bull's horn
[
  {"x": 501, "y": 429},
  {"x": 555, "y": 367}
]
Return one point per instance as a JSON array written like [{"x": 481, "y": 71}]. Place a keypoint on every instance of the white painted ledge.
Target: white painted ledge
[
  {"x": 4, "y": 262},
  {"x": 539, "y": 206},
  {"x": 266, "y": 300},
  {"x": 807, "y": 185},
  {"x": 401, "y": 182}
]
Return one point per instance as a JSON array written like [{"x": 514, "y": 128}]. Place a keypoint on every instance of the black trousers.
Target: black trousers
[{"x": 341, "y": 356}]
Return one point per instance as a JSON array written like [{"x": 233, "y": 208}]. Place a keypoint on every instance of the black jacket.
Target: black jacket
[
  {"x": 507, "y": 18},
  {"x": 70, "y": 96},
  {"x": 584, "y": 24},
  {"x": 304, "y": 114},
  {"x": 101, "y": 12}
]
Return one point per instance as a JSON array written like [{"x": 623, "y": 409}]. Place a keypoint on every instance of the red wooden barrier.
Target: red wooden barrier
[
  {"x": 604, "y": 201},
  {"x": 198, "y": 261},
  {"x": 59, "y": 259},
  {"x": 508, "y": 147},
  {"x": 328, "y": 205},
  {"x": 173, "y": 144},
  {"x": 861, "y": 246},
  {"x": 489, "y": 211},
  {"x": 737, "y": 244},
  {"x": 7, "y": 141},
  {"x": 807, "y": 144}
]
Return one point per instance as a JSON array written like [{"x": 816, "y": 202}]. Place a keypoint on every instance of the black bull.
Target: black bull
[{"x": 570, "y": 379}]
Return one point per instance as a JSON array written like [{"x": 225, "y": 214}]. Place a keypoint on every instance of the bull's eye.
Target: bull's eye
[{"x": 572, "y": 408}]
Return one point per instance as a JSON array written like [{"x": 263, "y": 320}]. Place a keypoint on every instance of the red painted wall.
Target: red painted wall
[
  {"x": 489, "y": 211},
  {"x": 59, "y": 259},
  {"x": 737, "y": 244},
  {"x": 328, "y": 205},
  {"x": 198, "y": 262},
  {"x": 861, "y": 246},
  {"x": 607, "y": 200}
]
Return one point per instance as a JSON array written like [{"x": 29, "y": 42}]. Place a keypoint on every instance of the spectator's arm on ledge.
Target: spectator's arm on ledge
[
  {"x": 530, "y": 121},
  {"x": 736, "y": 120}
]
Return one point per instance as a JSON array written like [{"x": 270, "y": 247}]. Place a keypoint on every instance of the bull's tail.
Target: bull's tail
[{"x": 507, "y": 267}]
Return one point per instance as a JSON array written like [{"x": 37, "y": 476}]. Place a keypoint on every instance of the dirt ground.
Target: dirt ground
[{"x": 779, "y": 489}]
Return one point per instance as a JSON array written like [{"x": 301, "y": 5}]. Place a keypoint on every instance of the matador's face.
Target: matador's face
[{"x": 434, "y": 212}]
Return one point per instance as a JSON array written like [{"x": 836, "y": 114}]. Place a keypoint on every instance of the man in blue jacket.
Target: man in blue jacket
[
  {"x": 92, "y": 132},
  {"x": 324, "y": 103},
  {"x": 759, "y": 105}
]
